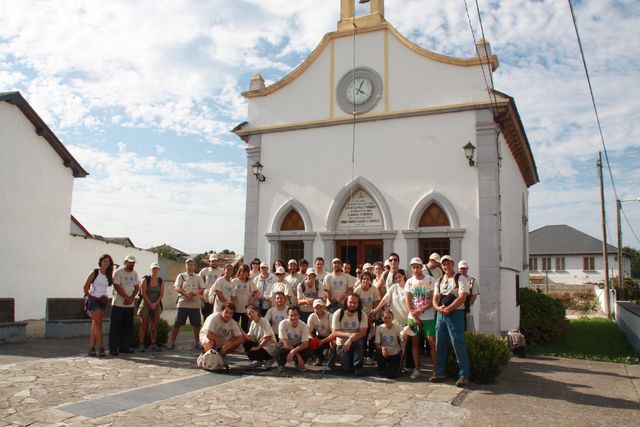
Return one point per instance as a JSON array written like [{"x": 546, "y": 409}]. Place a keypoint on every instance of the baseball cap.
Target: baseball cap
[
  {"x": 130, "y": 258},
  {"x": 154, "y": 265},
  {"x": 264, "y": 264},
  {"x": 292, "y": 261},
  {"x": 445, "y": 258},
  {"x": 434, "y": 256},
  {"x": 280, "y": 270},
  {"x": 213, "y": 257},
  {"x": 367, "y": 265},
  {"x": 318, "y": 302},
  {"x": 311, "y": 271},
  {"x": 463, "y": 264},
  {"x": 336, "y": 260},
  {"x": 415, "y": 260}
]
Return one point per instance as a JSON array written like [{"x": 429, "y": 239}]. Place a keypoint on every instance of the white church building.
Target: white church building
[{"x": 359, "y": 161}]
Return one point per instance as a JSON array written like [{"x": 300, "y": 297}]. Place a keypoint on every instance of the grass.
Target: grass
[{"x": 591, "y": 339}]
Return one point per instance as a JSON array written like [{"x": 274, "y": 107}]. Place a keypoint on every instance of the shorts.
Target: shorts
[
  {"x": 192, "y": 313},
  {"x": 94, "y": 304},
  {"x": 143, "y": 310},
  {"x": 428, "y": 327}
]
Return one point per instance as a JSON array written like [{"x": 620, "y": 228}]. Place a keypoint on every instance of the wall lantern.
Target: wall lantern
[
  {"x": 257, "y": 171},
  {"x": 469, "y": 149}
]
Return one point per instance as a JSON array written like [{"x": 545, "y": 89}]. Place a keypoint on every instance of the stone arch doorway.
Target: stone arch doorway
[{"x": 291, "y": 235}]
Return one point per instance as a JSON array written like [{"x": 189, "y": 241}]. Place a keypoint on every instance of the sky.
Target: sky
[{"x": 144, "y": 95}]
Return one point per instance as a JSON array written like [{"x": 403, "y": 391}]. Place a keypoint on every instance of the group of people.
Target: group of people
[{"x": 302, "y": 314}]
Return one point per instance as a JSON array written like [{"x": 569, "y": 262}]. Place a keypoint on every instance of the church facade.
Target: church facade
[{"x": 362, "y": 150}]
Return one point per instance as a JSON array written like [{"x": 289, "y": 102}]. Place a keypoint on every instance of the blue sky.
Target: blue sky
[{"x": 144, "y": 95}]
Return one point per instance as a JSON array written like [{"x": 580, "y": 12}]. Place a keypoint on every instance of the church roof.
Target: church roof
[
  {"x": 41, "y": 129},
  {"x": 564, "y": 240}
]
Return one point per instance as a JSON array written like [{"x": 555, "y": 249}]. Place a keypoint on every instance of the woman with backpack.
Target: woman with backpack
[
  {"x": 96, "y": 300},
  {"x": 151, "y": 293}
]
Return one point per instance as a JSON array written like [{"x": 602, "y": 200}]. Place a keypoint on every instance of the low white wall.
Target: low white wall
[
  {"x": 62, "y": 275},
  {"x": 600, "y": 293},
  {"x": 628, "y": 319}
]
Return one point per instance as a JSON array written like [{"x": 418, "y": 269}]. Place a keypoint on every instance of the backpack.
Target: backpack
[
  {"x": 448, "y": 299},
  {"x": 211, "y": 361},
  {"x": 148, "y": 279}
]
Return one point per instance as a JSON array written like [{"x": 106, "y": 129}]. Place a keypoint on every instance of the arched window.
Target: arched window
[
  {"x": 433, "y": 216},
  {"x": 293, "y": 221}
]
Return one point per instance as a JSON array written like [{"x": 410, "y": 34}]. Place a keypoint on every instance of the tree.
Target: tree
[
  {"x": 165, "y": 251},
  {"x": 635, "y": 260}
]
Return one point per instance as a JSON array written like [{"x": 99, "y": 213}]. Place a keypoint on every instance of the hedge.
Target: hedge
[
  {"x": 162, "y": 335},
  {"x": 542, "y": 318},
  {"x": 488, "y": 356}
]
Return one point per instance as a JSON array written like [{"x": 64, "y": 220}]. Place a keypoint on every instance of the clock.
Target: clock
[{"x": 359, "y": 90}]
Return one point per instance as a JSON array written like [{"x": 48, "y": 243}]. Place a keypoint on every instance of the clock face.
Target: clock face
[{"x": 359, "y": 90}]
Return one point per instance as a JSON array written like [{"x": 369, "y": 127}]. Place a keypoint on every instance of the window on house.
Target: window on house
[
  {"x": 560, "y": 263},
  {"x": 293, "y": 221},
  {"x": 546, "y": 263},
  {"x": 533, "y": 264},
  {"x": 588, "y": 263},
  {"x": 433, "y": 216},
  {"x": 293, "y": 249}
]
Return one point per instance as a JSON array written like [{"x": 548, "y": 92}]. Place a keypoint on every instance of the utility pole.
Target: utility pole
[
  {"x": 607, "y": 306},
  {"x": 618, "y": 208}
]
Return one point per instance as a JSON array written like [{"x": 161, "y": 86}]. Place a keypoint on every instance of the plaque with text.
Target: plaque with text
[{"x": 361, "y": 212}]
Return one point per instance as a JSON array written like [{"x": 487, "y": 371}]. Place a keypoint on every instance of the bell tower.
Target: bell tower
[{"x": 348, "y": 14}]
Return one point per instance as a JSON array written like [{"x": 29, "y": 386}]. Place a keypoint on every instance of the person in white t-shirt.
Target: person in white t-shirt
[
  {"x": 433, "y": 267},
  {"x": 95, "y": 292},
  {"x": 255, "y": 268},
  {"x": 280, "y": 285},
  {"x": 294, "y": 278},
  {"x": 308, "y": 291},
  {"x": 396, "y": 300},
  {"x": 320, "y": 336},
  {"x": 369, "y": 297},
  {"x": 278, "y": 312},
  {"x": 244, "y": 292},
  {"x": 388, "y": 345},
  {"x": 259, "y": 342},
  {"x": 264, "y": 283},
  {"x": 223, "y": 289},
  {"x": 209, "y": 276},
  {"x": 474, "y": 291},
  {"x": 294, "y": 339},
  {"x": 448, "y": 299},
  {"x": 221, "y": 332},
  {"x": 304, "y": 266},
  {"x": 349, "y": 325},
  {"x": 320, "y": 273},
  {"x": 337, "y": 284},
  {"x": 125, "y": 286},
  {"x": 190, "y": 287},
  {"x": 419, "y": 293}
]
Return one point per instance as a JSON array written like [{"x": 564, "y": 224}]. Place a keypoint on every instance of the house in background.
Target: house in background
[
  {"x": 559, "y": 254},
  {"x": 36, "y": 185}
]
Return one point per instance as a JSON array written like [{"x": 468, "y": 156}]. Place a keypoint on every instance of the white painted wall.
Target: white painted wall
[{"x": 428, "y": 158}]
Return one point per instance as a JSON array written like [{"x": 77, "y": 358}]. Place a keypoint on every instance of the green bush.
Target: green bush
[
  {"x": 488, "y": 356},
  {"x": 542, "y": 318},
  {"x": 162, "y": 336}
]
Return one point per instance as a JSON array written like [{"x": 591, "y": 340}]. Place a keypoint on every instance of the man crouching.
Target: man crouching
[{"x": 221, "y": 332}]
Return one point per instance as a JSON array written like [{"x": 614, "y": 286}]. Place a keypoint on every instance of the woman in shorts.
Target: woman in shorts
[
  {"x": 151, "y": 291},
  {"x": 95, "y": 293}
]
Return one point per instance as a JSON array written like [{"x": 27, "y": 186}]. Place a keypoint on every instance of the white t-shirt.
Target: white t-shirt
[
  {"x": 283, "y": 287},
  {"x": 293, "y": 282},
  {"x": 263, "y": 329},
  {"x": 305, "y": 291},
  {"x": 367, "y": 297},
  {"x": 100, "y": 285},
  {"x": 225, "y": 330},
  {"x": 209, "y": 276},
  {"x": 190, "y": 283},
  {"x": 448, "y": 286},
  {"x": 336, "y": 285},
  {"x": 422, "y": 292},
  {"x": 295, "y": 335},
  {"x": 128, "y": 280},
  {"x": 264, "y": 286},
  {"x": 389, "y": 338},
  {"x": 349, "y": 323},
  {"x": 275, "y": 316},
  {"x": 226, "y": 287},
  {"x": 318, "y": 326},
  {"x": 397, "y": 302},
  {"x": 243, "y": 291}
]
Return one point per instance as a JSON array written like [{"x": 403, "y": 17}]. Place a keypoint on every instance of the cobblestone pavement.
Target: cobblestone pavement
[{"x": 44, "y": 382}]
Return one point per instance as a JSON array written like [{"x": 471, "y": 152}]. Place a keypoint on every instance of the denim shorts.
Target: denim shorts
[{"x": 94, "y": 304}]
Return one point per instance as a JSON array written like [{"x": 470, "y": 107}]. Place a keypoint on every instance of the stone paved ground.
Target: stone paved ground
[{"x": 39, "y": 377}]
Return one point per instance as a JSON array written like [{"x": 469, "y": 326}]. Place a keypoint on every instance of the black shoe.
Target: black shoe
[
  {"x": 127, "y": 351},
  {"x": 113, "y": 353}
]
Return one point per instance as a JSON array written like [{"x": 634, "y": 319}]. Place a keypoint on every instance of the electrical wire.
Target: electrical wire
[{"x": 629, "y": 224}]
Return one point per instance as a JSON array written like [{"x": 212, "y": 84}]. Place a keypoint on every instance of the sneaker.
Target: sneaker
[
  {"x": 415, "y": 374},
  {"x": 172, "y": 345},
  {"x": 437, "y": 378},
  {"x": 129, "y": 351},
  {"x": 255, "y": 364},
  {"x": 113, "y": 353},
  {"x": 280, "y": 369},
  {"x": 269, "y": 363},
  {"x": 317, "y": 362},
  {"x": 462, "y": 382},
  {"x": 369, "y": 361},
  {"x": 144, "y": 349},
  {"x": 302, "y": 368},
  {"x": 155, "y": 348}
]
